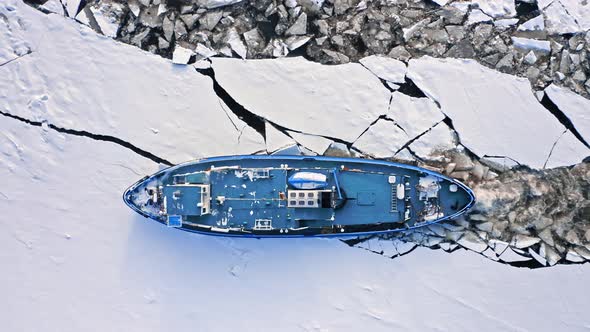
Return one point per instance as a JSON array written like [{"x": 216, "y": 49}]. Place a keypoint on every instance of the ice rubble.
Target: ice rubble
[
  {"x": 333, "y": 101},
  {"x": 491, "y": 110},
  {"x": 80, "y": 80}
]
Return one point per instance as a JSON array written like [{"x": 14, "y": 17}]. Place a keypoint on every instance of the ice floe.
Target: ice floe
[
  {"x": 414, "y": 115},
  {"x": 382, "y": 140},
  {"x": 276, "y": 139},
  {"x": 438, "y": 139},
  {"x": 574, "y": 106},
  {"x": 385, "y": 68},
  {"x": 334, "y": 101},
  {"x": 490, "y": 110}
]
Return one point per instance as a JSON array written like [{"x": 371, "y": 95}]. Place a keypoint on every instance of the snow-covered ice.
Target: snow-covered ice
[
  {"x": 574, "y": 106},
  {"x": 382, "y": 140},
  {"x": 567, "y": 16},
  {"x": 79, "y": 80},
  {"x": 335, "y": 101},
  {"x": 385, "y": 68},
  {"x": 414, "y": 115},
  {"x": 496, "y": 8},
  {"x": 275, "y": 139},
  {"x": 439, "y": 138},
  {"x": 490, "y": 110}
]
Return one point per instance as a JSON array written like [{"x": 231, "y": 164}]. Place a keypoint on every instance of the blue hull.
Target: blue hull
[{"x": 297, "y": 196}]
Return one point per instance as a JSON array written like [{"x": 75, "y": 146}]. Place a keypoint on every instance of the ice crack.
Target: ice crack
[{"x": 97, "y": 137}]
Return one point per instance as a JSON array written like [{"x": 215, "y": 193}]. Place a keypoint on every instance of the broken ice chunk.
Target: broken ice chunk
[
  {"x": 496, "y": 8},
  {"x": 385, "y": 68},
  {"x": 472, "y": 242},
  {"x": 414, "y": 115},
  {"x": 523, "y": 241},
  {"x": 314, "y": 143},
  {"x": 559, "y": 20},
  {"x": 438, "y": 139},
  {"x": 299, "y": 27},
  {"x": 574, "y": 106},
  {"x": 477, "y": 16},
  {"x": 318, "y": 95},
  {"x": 108, "y": 17},
  {"x": 235, "y": 42},
  {"x": 534, "y": 24},
  {"x": 527, "y": 44},
  {"x": 539, "y": 258},
  {"x": 276, "y": 139},
  {"x": 382, "y": 140},
  {"x": 181, "y": 55},
  {"x": 210, "y": 4},
  {"x": 53, "y": 6},
  {"x": 510, "y": 256},
  {"x": 568, "y": 150},
  {"x": 480, "y": 100}
]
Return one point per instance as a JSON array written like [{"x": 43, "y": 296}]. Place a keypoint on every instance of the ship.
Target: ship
[{"x": 297, "y": 196}]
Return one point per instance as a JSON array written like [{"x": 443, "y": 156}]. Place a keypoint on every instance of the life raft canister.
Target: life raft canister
[{"x": 308, "y": 180}]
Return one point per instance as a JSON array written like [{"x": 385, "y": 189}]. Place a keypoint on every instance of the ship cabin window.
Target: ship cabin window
[
  {"x": 301, "y": 202},
  {"x": 293, "y": 195},
  {"x": 301, "y": 194},
  {"x": 310, "y": 194},
  {"x": 310, "y": 202},
  {"x": 292, "y": 202}
]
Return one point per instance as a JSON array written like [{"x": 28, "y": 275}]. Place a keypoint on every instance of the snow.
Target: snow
[
  {"x": 496, "y": 8},
  {"x": 382, "y": 140},
  {"x": 336, "y": 101},
  {"x": 532, "y": 44},
  {"x": 490, "y": 110},
  {"x": 385, "y": 68},
  {"x": 414, "y": 115},
  {"x": 80, "y": 80},
  {"x": 574, "y": 106}
]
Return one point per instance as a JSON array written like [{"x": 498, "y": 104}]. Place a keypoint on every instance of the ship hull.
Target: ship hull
[{"x": 255, "y": 196}]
